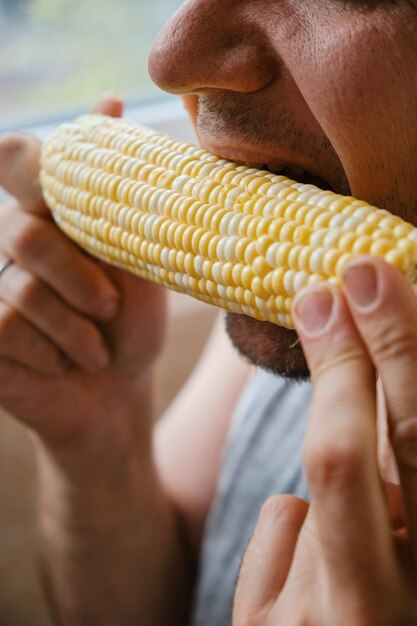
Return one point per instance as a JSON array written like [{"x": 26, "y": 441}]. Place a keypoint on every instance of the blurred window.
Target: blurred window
[{"x": 57, "y": 56}]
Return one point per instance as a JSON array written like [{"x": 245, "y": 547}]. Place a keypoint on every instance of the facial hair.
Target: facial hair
[{"x": 266, "y": 345}]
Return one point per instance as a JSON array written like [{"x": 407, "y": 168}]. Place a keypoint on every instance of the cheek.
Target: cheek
[{"x": 358, "y": 81}]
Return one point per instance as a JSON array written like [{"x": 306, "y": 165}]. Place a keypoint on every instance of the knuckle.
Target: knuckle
[
  {"x": 11, "y": 144},
  {"x": 404, "y": 441},
  {"x": 394, "y": 341},
  {"x": 29, "y": 238},
  {"x": 28, "y": 291},
  {"x": 332, "y": 464},
  {"x": 337, "y": 358}
]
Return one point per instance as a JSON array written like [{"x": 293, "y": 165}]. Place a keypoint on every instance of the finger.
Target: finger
[
  {"x": 20, "y": 342},
  {"x": 340, "y": 446},
  {"x": 76, "y": 336},
  {"x": 38, "y": 246},
  {"x": 269, "y": 556},
  {"x": 295, "y": 601},
  {"x": 384, "y": 308},
  {"x": 395, "y": 505},
  {"x": 19, "y": 171},
  {"x": 387, "y": 464},
  {"x": 20, "y": 161},
  {"x": 108, "y": 104},
  {"x": 306, "y": 558}
]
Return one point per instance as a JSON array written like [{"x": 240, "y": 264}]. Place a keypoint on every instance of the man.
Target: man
[{"x": 326, "y": 86}]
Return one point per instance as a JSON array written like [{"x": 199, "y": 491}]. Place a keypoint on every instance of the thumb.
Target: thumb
[
  {"x": 19, "y": 171},
  {"x": 269, "y": 556},
  {"x": 20, "y": 160}
]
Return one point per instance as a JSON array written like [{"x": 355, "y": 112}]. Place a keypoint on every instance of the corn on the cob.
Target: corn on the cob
[{"x": 239, "y": 238}]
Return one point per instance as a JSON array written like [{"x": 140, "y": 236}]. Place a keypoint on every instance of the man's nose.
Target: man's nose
[{"x": 212, "y": 44}]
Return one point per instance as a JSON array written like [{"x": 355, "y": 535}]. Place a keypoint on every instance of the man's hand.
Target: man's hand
[
  {"x": 78, "y": 341},
  {"x": 350, "y": 557},
  {"x": 77, "y": 338}
]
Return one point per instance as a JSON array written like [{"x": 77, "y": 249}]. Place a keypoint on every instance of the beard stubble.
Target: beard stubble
[{"x": 266, "y": 345}]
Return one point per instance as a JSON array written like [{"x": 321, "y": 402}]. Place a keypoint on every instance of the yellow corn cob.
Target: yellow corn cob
[{"x": 236, "y": 237}]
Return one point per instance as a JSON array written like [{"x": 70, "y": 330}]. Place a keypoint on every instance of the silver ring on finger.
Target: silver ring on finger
[{"x": 4, "y": 265}]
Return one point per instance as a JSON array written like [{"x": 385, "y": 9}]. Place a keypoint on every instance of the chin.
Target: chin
[{"x": 268, "y": 346}]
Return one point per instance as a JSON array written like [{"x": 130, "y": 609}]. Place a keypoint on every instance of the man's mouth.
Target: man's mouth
[
  {"x": 294, "y": 173},
  {"x": 305, "y": 173}
]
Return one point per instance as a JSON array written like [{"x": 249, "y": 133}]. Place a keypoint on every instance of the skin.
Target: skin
[
  {"x": 86, "y": 371},
  {"x": 327, "y": 87},
  {"x": 315, "y": 88},
  {"x": 324, "y": 85},
  {"x": 119, "y": 509},
  {"x": 348, "y": 557}
]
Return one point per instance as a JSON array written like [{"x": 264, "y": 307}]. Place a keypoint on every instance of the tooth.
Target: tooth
[{"x": 274, "y": 168}]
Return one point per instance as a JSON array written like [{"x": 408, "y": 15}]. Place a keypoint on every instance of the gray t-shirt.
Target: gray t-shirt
[{"x": 263, "y": 457}]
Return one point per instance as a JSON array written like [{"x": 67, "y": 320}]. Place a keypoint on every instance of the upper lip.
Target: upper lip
[{"x": 277, "y": 157}]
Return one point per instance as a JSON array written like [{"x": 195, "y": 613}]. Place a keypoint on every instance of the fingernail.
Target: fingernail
[
  {"x": 313, "y": 311},
  {"x": 360, "y": 281},
  {"x": 110, "y": 308}
]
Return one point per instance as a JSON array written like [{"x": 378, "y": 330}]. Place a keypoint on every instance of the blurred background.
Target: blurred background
[
  {"x": 57, "y": 55},
  {"x": 56, "y": 58}
]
